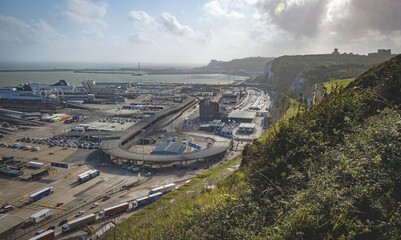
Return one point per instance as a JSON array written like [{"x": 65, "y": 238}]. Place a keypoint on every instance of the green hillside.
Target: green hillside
[
  {"x": 333, "y": 172},
  {"x": 319, "y": 68}
]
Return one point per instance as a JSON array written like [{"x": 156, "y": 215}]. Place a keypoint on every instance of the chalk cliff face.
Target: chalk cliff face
[{"x": 298, "y": 82}]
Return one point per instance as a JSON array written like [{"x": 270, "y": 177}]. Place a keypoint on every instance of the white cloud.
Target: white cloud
[
  {"x": 222, "y": 9},
  {"x": 142, "y": 17},
  {"x": 170, "y": 23},
  {"x": 87, "y": 7},
  {"x": 86, "y": 12},
  {"x": 165, "y": 23},
  {"x": 94, "y": 22},
  {"x": 13, "y": 30}
]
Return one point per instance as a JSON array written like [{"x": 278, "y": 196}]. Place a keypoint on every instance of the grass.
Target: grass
[
  {"x": 290, "y": 112},
  {"x": 340, "y": 83},
  {"x": 179, "y": 199}
]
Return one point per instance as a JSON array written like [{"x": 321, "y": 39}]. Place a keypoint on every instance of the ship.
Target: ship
[{"x": 38, "y": 95}]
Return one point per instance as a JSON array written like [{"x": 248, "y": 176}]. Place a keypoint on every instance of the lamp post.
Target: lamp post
[{"x": 143, "y": 145}]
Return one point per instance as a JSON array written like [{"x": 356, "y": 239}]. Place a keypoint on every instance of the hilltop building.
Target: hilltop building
[{"x": 381, "y": 53}]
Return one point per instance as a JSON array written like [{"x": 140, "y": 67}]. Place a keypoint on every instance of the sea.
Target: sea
[{"x": 14, "y": 78}]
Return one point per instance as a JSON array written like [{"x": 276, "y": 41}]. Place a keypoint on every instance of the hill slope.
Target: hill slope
[
  {"x": 299, "y": 73},
  {"x": 331, "y": 173},
  {"x": 252, "y": 65}
]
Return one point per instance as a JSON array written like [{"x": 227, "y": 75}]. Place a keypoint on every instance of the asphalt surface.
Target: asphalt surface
[{"x": 117, "y": 148}]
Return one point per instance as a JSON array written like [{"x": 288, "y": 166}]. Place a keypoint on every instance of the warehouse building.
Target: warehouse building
[
  {"x": 247, "y": 128},
  {"x": 242, "y": 117}
]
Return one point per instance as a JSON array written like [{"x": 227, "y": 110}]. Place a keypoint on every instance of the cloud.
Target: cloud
[
  {"x": 140, "y": 39},
  {"x": 13, "y": 30},
  {"x": 222, "y": 9},
  {"x": 170, "y": 23},
  {"x": 86, "y": 12},
  {"x": 142, "y": 17},
  {"x": 166, "y": 23},
  {"x": 84, "y": 20},
  {"x": 360, "y": 17},
  {"x": 87, "y": 7}
]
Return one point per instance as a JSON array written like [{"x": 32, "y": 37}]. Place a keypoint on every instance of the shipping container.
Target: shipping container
[
  {"x": 40, "y": 216},
  {"x": 40, "y": 194},
  {"x": 79, "y": 222},
  {"x": 48, "y": 235}
]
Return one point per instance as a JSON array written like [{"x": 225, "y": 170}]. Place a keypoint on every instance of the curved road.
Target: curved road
[{"x": 118, "y": 148}]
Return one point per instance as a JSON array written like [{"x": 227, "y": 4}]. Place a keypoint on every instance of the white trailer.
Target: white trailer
[
  {"x": 79, "y": 222},
  {"x": 40, "y": 216},
  {"x": 163, "y": 189},
  {"x": 34, "y": 164},
  {"x": 83, "y": 174}
]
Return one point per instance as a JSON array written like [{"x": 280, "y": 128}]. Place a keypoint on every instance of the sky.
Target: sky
[{"x": 192, "y": 32}]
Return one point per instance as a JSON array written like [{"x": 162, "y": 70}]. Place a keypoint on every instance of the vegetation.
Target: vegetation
[
  {"x": 337, "y": 84},
  {"x": 319, "y": 68},
  {"x": 333, "y": 172}
]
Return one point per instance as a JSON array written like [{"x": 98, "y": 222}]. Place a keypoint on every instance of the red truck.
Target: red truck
[{"x": 107, "y": 212}]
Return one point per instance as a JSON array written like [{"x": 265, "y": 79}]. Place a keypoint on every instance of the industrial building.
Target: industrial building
[
  {"x": 242, "y": 117},
  {"x": 247, "y": 128},
  {"x": 209, "y": 110},
  {"x": 230, "y": 97},
  {"x": 216, "y": 125}
]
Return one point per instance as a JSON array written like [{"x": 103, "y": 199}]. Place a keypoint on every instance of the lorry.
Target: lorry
[
  {"x": 39, "y": 194},
  {"x": 40, "y": 216},
  {"x": 36, "y": 165},
  {"x": 107, "y": 212},
  {"x": 79, "y": 222},
  {"x": 146, "y": 200},
  {"x": 48, "y": 235},
  {"x": 164, "y": 188}
]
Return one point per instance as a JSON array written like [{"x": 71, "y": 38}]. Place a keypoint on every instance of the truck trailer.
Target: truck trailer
[
  {"x": 164, "y": 189},
  {"x": 107, "y": 212},
  {"x": 140, "y": 202},
  {"x": 40, "y": 216},
  {"x": 35, "y": 165},
  {"x": 42, "y": 193},
  {"x": 48, "y": 235},
  {"x": 79, "y": 222},
  {"x": 88, "y": 175}
]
